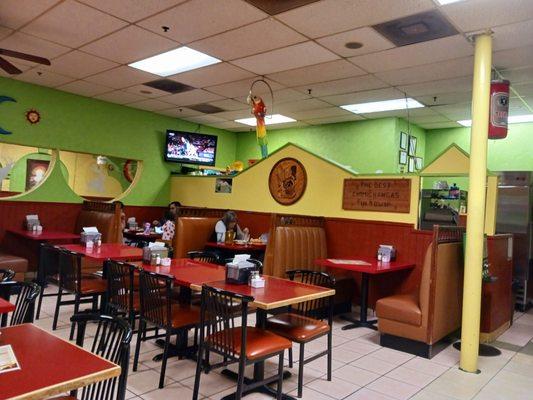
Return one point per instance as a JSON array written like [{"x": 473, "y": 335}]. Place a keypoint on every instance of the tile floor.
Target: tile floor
[{"x": 363, "y": 370}]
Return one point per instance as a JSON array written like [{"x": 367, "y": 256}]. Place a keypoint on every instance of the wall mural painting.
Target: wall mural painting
[
  {"x": 35, "y": 172},
  {"x": 287, "y": 181},
  {"x": 2, "y": 100}
]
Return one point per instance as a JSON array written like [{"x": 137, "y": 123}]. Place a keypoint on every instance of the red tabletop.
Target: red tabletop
[
  {"x": 237, "y": 247},
  {"x": 5, "y": 307},
  {"x": 365, "y": 264},
  {"x": 48, "y": 365},
  {"x": 139, "y": 235},
  {"x": 187, "y": 272},
  {"x": 278, "y": 292},
  {"x": 45, "y": 235},
  {"x": 114, "y": 251}
]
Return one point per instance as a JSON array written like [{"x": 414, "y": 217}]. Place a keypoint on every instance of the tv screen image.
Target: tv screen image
[{"x": 190, "y": 148}]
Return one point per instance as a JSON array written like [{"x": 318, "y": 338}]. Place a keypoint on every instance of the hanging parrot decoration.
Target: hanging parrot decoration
[{"x": 259, "y": 112}]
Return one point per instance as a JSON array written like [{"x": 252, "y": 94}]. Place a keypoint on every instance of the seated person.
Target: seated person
[
  {"x": 169, "y": 227},
  {"x": 173, "y": 208},
  {"x": 228, "y": 223}
]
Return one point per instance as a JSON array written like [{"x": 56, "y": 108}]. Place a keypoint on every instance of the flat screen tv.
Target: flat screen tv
[{"x": 190, "y": 148}]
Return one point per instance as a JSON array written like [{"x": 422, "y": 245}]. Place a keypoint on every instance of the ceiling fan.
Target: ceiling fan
[{"x": 10, "y": 68}]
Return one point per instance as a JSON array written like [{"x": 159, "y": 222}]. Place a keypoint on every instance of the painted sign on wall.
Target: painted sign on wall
[{"x": 385, "y": 195}]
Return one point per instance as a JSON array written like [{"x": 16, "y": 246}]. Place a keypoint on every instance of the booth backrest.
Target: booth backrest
[
  {"x": 192, "y": 233},
  {"x": 105, "y": 216}
]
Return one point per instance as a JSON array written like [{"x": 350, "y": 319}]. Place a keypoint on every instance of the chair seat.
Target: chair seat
[
  {"x": 401, "y": 308},
  {"x": 93, "y": 286},
  {"x": 259, "y": 342},
  {"x": 297, "y": 328}
]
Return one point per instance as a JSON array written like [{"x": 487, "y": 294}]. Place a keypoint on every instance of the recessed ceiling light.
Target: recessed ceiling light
[
  {"x": 387, "y": 105},
  {"x": 353, "y": 45},
  {"x": 515, "y": 119},
  {"x": 444, "y": 2},
  {"x": 269, "y": 120},
  {"x": 175, "y": 61}
]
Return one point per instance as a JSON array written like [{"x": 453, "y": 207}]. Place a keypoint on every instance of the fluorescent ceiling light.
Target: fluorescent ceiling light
[
  {"x": 515, "y": 119},
  {"x": 387, "y": 105},
  {"x": 175, "y": 61},
  {"x": 444, "y": 2},
  {"x": 269, "y": 120}
]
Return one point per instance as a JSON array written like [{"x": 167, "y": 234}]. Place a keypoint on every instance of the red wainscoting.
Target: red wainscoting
[{"x": 257, "y": 222}]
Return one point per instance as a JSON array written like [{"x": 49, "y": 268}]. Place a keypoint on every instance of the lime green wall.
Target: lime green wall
[
  {"x": 17, "y": 175},
  {"x": 77, "y": 123},
  {"x": 416, "y": 131},
  {"x": 365, "y": 146},
  {"x": 512, "y": 153}
]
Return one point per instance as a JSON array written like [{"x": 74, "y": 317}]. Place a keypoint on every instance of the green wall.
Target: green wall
[
  {"x": 514, "y": 153},
  {"x": 365, "y": 146},
  {"x": 413, "y": 130},
  {"x": 77, "y": 123}
]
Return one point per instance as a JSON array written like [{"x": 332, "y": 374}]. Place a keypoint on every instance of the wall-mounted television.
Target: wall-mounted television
[{"x": 190, "y": 148}]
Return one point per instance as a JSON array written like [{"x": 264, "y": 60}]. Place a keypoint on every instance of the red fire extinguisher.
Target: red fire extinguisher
[{"x": 499, "y": 109}]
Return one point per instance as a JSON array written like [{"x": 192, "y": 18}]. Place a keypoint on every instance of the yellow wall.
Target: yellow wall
[{"x": 323, "y": 195}]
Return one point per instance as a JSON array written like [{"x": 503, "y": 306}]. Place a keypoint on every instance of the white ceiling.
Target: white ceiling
[{"x": 300, "y": 52}]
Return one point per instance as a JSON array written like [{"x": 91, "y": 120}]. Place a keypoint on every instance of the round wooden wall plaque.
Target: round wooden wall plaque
[{"x": 287, "y": 181}]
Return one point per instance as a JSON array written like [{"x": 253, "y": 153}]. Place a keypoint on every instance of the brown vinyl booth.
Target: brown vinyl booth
[
  {"x": 106, "y": 218},
  {"x": 15, "y": 263},
  {"x": 415, "y": 322},
  {"x": 295, "y": 242}
]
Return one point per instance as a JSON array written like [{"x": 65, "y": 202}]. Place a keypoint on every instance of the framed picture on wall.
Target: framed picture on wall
[
  {"x": 404, "y": 138},
  {"x": 411, "y": 166},
  {"x": 412, "y": 145},
  {"x": 223, "y": 185},
  {"x": 403, "y": 157},
  {"x": 35, "y": 171},
  {"x": 418, "y": 163}
]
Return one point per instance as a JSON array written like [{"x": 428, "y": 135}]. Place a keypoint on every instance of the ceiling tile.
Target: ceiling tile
[
  {"x": 363, "y": 97},
  {"x": 240, "y": 89},
  {"x": 15, "y": 13},
  {"x": 455, "y": 112},
  {"x": 463, "y": 84},
  {"x": 46, "y": 78},
  {"x": 429, "y": 119},
  {"x": 513, "y": 35},
  {"x": 327, "y": 71},
  {"x": 474, "y": 15},
  {"x": 150, "y": 105},
  {"x": 325, "y": 112},
  {"x": 205, "y": 119},
  {"x": 212, "y": 75},
  {"x": 331, "y": 16},
  {"x": 524, "y": 89},
  {"x": 233, "y": 115},
  {"x": 333, "y": 120},
  {"x": 130, "y": 44},
  {"x": 439, "y": 99},
  {"x": 17, "y": 64},
  {"x": 416, "y": 54},
  {"x": 132, "y": 10},
  {"x": 121, "y": 77},
  {"x": 309, "y": 104},
  {"x": 283, "y": 96},
  {"x": 230, "y": 104},
  {"x": 227, "y": 125},
  {"x": 146, "y": 91},
  {"x": 368, "y": 37},
  {"x": 79, "y": 65},
  {"x": 440, "y": 125},
  {"x": 197, "y": 19},
  {"x": 347, "y": 85},
  {"x": 287, "y": 125},
  {"x": 73, "y": 24},
  {"x": 519, "y": 57},
  {"x": 191, "y": 97},
  {"x": 83, "y": 88},
  {"x": 119, "y": 97},
  {"x": 295, "y": 56},
  {"x": 273, "y": 35},
  {"x": 401, "y": 113},
  {"x": 4, "y": 32},
  {"x": 518, "y": 75},
  {"x": 32, "y": 45},
  {"x": 426, "y": 73},
  {"x": 179, "y": 112}
]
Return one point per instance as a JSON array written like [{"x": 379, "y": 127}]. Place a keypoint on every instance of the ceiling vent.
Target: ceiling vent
[
  {"x": 206, "y": 108},
  {"x": 169, "y": 86},
  {"x": 416, "y": 28},
  {"x": 273, "y": 7}
]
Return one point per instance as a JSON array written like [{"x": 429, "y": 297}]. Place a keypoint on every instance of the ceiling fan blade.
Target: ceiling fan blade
[
  {"x": 24, "y": 56},
  {"x": 8, "y": 67}
]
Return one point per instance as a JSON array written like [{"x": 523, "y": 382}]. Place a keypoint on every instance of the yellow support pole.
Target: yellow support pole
[{"x": 476, "y": 203}]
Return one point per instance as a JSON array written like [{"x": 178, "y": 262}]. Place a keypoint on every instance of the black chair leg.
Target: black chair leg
[
  {"x": 56, "y": 313},
  {"x": 38, "y": 312},
  {"x": 240, "y": 379},
  {"x": 76, "y": 310},
  {"x": 164, "y": 364},
  {"x": 198, "y": 374},
  {"x": 290, "y": 357},
  {"x": 142, "y": 328},
  {"x": 280, "y": 377},
  {"x": 330, "y": 345},
  {"x": 301, "y": 370}
]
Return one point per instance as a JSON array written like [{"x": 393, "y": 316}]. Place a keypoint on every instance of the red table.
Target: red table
[
  {"x": 6, "y": 307},
  {"x": 237, "y": 247},
  {"x": 49, "y": 365},
  {"x": 367, "y": 266},
  {"x": 139, "y": 235},
  {"x": 187, "y": 272},
  {"x": 107, "y": 251},
  {"x": 45, "y": 236}
]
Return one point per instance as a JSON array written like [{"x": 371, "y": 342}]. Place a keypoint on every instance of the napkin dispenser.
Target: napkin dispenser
[
  {"x": 90, "y": 236},
  {"x": 31, "y": 221},
  {"x": 238, "y": 272},
  {"x": 150, "y": 251},
  {"x": 386, "y": 253}
]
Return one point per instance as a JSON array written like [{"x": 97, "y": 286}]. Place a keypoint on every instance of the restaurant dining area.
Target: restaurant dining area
[{"x": 298, "y": 199}]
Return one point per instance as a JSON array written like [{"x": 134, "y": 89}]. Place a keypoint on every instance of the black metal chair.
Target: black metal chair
[
  {"x": 47, "y": 272},
  {"x": 72, "y": 281},
  {"x": 112, "y": 342},
  {"x": 26, "y": 293},
  {"x": 159, "y": 309},
  {"x": 305, "y": 322},
  {"x": 6, "y": 275},
  {"x": 121, "y": 294},
  {"x": 220, "y": 334},
  {"x": 204, "y": 256}
]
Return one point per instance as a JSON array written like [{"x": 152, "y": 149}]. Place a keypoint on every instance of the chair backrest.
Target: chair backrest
[
  {"x": 105, "y": 216},
  {"x": 70, "y": 271},
  {"x": 258, "y": 264},
  {"x": 112, "y": 342},
  {"x": 6, "y": 275},
  {"x": 120, "y": 285},
  {"x": 48, "y": 262},
  {"x": 156, "y": 298},
  {"x": 218, "y": 321},
  {"x": 321, "y": 308},
  {"x": 27, "y": 293},
  {"x": 192, "y": 233},
  {"x": 204, "y": 256}
]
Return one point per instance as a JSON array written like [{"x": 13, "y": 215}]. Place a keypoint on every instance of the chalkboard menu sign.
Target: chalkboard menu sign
[{"x": 385, "y": 195}]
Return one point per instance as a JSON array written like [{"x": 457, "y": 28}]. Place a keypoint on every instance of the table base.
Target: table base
[
  {"x": 188, "y": 352},
  {"x": 265, "y": 389},
  {"x": 355, "y": 323}
]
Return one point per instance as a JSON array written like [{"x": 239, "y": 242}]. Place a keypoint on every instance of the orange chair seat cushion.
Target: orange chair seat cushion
[
  {"x": 93, "y": 286},
  {"x": 402, "y": 308},
  {"x": 259, "y": 342},
  {"x": 296, "y": 328},
  {"x": 17, "y": 264}
]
